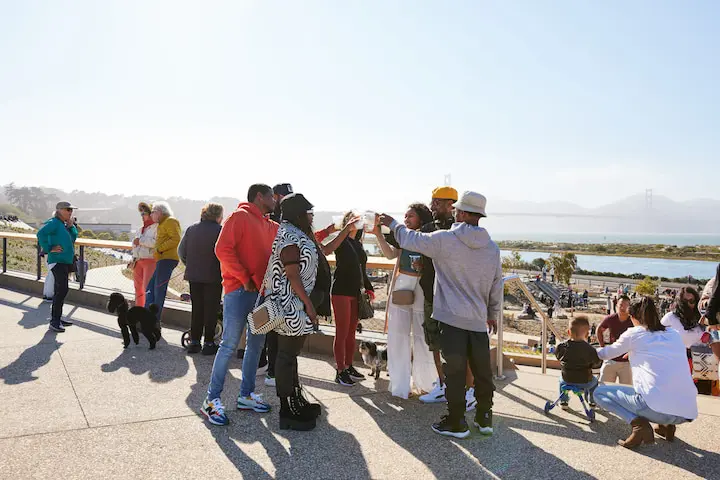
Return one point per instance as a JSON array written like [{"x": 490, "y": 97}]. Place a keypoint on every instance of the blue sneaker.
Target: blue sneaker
[
  {"x": 214, "y": 411},
  {"x": 254, "y": 402}
]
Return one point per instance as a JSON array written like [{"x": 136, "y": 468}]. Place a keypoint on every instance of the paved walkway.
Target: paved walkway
[
  {"x": 76, "y": 405},
  {"x": 112, "y": 278}
]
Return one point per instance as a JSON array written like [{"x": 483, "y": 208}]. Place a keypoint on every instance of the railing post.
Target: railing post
[
  {"x": 81, "y": 267},
  {"x": 39, "y": 264},
  {"x": 4, "y": 254}
]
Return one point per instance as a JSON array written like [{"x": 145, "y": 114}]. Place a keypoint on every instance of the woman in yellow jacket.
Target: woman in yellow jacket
[{"x": 166, "y": 254}]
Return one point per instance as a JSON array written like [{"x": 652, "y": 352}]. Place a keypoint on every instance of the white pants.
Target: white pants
[
  {"x": 410, "y": 362},
  {"x": 613, "y": 371},
  {"x": 49, "y": 286}
]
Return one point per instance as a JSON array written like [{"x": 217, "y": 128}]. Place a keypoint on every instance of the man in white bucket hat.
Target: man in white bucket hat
[{"x": 467, "y": 297}]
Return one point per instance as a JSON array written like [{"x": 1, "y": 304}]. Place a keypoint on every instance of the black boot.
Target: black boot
[
  {"x": 313, "y": 409},
  {"x": 293, "y": 417}
]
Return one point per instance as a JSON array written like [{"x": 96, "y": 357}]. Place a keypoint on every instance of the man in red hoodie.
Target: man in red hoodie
[{"x": 243, "y": 249}]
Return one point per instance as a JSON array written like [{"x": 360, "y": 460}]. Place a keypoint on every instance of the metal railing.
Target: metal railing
[{"x": 89, "y": 250}]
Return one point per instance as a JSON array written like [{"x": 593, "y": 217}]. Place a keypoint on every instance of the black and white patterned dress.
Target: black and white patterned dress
[{"x": 297, "y": 321}]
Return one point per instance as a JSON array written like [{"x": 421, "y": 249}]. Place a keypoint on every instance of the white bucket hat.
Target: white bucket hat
[{"x": 471, "y": 202}]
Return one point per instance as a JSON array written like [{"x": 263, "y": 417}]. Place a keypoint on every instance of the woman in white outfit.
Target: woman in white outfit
[
  {"x": 685, "y": 319},
  {"x": 410, "y": 362}
]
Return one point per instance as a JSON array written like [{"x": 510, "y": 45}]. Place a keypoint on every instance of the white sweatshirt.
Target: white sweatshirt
[
  {"x": 689, "y": 337},
  {"x": 660, "y": 370}
]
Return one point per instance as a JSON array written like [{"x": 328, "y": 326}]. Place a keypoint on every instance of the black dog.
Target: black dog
[{"x": 128, "y": 318}]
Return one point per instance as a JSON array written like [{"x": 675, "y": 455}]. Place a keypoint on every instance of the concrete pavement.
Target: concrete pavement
[{"x": 76, "y": 405}]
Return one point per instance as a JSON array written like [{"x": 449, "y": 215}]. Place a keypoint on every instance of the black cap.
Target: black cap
[
  {"x": 294, "y": 205},
  {"x": 282, "y": 189}
]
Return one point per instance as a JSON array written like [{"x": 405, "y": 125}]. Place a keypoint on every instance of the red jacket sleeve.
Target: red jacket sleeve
[
  {"x": 321, "y": 235},
  {"x": 226, "y": 249}
]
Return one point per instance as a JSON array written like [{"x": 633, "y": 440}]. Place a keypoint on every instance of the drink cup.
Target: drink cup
[
  {"x": 338, "y": 221},
  {"x": 369, "y": 221}
]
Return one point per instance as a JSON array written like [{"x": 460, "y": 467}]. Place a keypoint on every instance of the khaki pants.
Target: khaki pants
[{"x": 613, "y": 371}]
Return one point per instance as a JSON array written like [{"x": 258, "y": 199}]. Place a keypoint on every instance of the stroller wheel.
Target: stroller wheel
[
  {"x": 548, "y": 407},
  {"x": 185, "y": 339}
]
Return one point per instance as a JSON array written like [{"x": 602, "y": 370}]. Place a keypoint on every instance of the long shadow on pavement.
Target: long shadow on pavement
[
  {"x": 322, "y": 453},
  {"x": 163, "y": 364},
  {"x": 31, "y": 359},
  {"x": 678, "y": 453},
  {"x": 506, "y": 454}
]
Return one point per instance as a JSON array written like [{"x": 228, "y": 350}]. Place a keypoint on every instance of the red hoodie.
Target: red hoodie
[{"x": 244, "y": 246}]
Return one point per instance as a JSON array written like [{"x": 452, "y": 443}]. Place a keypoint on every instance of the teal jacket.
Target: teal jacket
[{"x": 55, "y": 233}]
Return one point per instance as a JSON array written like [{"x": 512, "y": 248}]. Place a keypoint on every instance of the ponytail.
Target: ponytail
[{"x": 643, "y": 310}]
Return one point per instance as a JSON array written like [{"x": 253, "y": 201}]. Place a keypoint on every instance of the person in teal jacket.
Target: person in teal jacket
[{"x": 57, "y": 238}]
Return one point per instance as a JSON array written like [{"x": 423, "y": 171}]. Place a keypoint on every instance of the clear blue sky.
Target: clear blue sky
[{"x": 363, "y": 104}]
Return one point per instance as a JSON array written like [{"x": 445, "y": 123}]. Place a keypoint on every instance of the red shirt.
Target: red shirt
[
  {"x": 616, "y": 327},
  {"x": 244, "y": 246}
]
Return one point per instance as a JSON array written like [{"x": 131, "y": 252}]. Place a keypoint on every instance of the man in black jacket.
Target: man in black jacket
[
  {"x": 269, "y": 352},
  {"x": 441, "y": 206}
]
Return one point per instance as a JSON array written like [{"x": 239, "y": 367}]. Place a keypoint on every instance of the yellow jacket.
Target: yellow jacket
[{"x": 168, "y": 239}]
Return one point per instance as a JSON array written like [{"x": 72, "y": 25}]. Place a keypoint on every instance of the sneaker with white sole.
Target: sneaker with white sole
[
  {"x": 448, "y": 428},
  {"x": 470, "y": 401},
  {"x": 269, "y": 381},
  {"x": 436, "y": 395},
  {"x": 254, "y": 402},
  {"x": 261, "y": 371},
  {"x": 483, "y": 421},
  {"x": 214, "y": 411}
]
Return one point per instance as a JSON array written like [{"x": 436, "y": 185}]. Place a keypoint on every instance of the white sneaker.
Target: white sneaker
[
  {"x": 269, "y": 381},
  {"x": 470, "y": 402},
  {"x": 261, "y": 371},
  {"x": 436, "y": 395}
]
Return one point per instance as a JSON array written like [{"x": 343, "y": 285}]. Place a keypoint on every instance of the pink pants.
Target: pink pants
[{"x": 144, "y": 269}]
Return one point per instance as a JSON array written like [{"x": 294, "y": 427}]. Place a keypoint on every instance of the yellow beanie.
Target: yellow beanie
[{"x": 445, "y": 193}]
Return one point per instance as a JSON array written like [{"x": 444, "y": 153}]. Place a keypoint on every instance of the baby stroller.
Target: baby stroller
[
  {"x": 185, "y": 339},
  {"x": 581, "y": 393}
]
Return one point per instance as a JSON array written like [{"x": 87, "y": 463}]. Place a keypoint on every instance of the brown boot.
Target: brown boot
[
  {"x": 642, "y": 432},
  {"x": 666, "y": 431}
]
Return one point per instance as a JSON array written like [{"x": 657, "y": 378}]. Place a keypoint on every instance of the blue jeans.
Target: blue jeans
[
  {"x": 588, "y": 387},
  {"x": 236, "y": 307},
  {"x": 628, "y": 405},
  {"x": 158, "y": 285}
]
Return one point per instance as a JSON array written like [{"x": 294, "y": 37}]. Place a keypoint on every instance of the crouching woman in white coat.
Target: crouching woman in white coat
[
  {"x": 410, "y": 362},
  {"x": 663, "y": 391}
]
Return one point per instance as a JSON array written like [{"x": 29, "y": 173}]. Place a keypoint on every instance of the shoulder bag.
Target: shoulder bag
[
  {"x": 268, "y": 315},
  {"x": 365, "y": 308}
]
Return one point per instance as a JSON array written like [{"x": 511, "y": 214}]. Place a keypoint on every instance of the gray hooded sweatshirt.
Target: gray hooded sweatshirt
[{"x": 468, "y": 275}]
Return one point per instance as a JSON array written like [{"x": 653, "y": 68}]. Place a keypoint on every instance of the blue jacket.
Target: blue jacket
[{"x": 55, "y": 233}]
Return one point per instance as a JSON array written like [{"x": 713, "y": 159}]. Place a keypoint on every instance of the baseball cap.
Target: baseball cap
[
  {"x": 282, "y": 189},
  {"x": 64, "y": 205},
  {"x": 294, "y": 205},
  {"x": 445, "y": 193}
]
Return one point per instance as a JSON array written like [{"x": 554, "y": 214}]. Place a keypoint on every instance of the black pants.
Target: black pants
[
  {"x": 61, "y": 272},
  {"x": 459, "y": 346},
  {"x": 286, "y": 374},
  {"x": 205, "y": 307},
  {"x": 269, "y": 353}
]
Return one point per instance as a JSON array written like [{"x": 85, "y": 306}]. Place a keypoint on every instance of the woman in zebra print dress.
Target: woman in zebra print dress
[{"x": 291, "y": 276}]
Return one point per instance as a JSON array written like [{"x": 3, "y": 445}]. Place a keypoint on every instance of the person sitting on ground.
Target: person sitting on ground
[
  {"x": 168, "y": 239},
  {"x": 578, "y": 359},
  {"x": 663, "y": 391},
  {"x": 202, "y": 271},
  {"x": 616, "y": 324},
  {"x": 410, "y": 363},
  {"x": 143, "y": 254}
]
